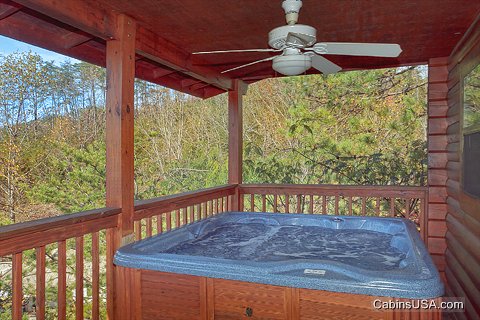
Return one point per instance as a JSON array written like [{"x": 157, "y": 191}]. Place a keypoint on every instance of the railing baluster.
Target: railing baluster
[
  {"x": 264, "y": 203},
  {"x": 95, "y": 277},
  {"x": 159, "y": 223},
  {"x": 350, "y": 206},
  {"x": 184, "y": 216},
  {"x": 17, "y": 286},
  {"x": 168, "y": 222},
  {"x": 138, "y": 230},
  {"x": 337, "y": 200},
  {"x": 324, "y": 204},
  {"x": 192, "y": 214},
  {"x": 287, "y": 203},
  {"x": 407, "y": 208},
  {"x": 62, "y": 280},
  {"x": 210, "y": 207},
  {"x": 252, "y": 202},
  {"x": 40, "y": 285},
  {"x": 311, "y": 204},
  {"x": 177, "y": 218},
  {"x": 299, "y": 203},
  {"x": 423, "y": 231},
  {"x": 392, "y": 207},
  {"x": 79, "y": 278},
  {"x": 241, "y": 204},
  {"x": 377, "y": 207},
  {"x": 364, "y": 205},
  {"x": 204, "y": 210},
  {"x": 149, "y": 226},
  {"x": 275, "y": 203}
]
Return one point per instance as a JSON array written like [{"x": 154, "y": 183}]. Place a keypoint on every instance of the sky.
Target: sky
[{"x": 8, "y": 46}]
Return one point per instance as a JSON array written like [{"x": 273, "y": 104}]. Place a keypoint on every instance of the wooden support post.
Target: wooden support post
[
  {"x": 235, "y": 138},
  {"x": 120, "y": 111},
  {"x": 119, "y": 135}
]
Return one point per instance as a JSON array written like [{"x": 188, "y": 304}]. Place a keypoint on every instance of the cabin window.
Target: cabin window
[{"x": 471, "y": 133}]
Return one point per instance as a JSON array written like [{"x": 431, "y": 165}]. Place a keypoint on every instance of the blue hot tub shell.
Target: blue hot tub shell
[{"x": 412, "y": 273}]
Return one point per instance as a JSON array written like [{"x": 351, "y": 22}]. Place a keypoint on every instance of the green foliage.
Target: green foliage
[
  {"x": 351, "y": 128},
  {"x": 471, "y": 113}
]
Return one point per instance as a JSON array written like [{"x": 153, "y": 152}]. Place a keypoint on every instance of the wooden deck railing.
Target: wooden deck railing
[
  {"x": 165, "y": 213},
  {"x": 382, "y": 201},
  {"x": 39, "y": 251}
]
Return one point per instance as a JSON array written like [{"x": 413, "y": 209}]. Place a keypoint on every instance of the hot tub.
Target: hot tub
[{"x": 369, "y": 256}]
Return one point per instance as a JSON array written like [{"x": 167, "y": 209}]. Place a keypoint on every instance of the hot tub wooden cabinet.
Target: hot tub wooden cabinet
[
  {"x": 277, "y": 266},
  {"x": 152, "y": 295}
]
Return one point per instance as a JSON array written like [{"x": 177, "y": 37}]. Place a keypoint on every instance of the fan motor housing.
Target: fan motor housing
[{"x": 278, "y": 36}]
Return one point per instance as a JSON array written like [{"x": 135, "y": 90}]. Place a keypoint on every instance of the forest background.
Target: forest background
[{"x": 361, "y": 127}]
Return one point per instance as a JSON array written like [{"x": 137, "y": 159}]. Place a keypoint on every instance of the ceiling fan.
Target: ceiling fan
[{"x": 300, "y": 51}]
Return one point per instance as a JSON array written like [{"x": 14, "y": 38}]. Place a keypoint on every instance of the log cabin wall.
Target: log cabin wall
[{"x": 462, "y": 256}]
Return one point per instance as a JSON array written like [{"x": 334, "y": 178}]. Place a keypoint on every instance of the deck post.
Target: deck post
[
  {"x": 120, "y": 61},
  {"x": 235, "y": 138}
]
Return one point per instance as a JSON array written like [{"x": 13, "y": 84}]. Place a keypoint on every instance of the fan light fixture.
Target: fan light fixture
[
  {"x": 299, "y": 50},
  {"x": 292, "y": 63}
]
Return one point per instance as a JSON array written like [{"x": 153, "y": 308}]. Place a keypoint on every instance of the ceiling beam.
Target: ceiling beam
[
  {"x": 7, "y": 8},
  {"x": 90, "y": 17},
  {"x": 157, "y": 49}
]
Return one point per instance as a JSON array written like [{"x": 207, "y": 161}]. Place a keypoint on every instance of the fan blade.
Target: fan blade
[
  {"x": 239, "y": 50},
  {"x": 323, "y": 65},
  {"x": 299, "y": 40},
  {"x": 249, "y": 64},
  {"x": 358, "y": 49}
]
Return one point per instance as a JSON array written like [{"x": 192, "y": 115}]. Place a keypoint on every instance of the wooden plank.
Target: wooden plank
[
  {"x": 350, "y": 206},
  {"x": 111, "y": 238},
  {"x": 62, "y": 280},
  {"x": 192, "y": 214},
  {"x": 95, "y": 277},
  {"x": 40, "y": 283},
  {"x": 17, "y": 289},
  {"x": 138, "y": 230},
  {"x": 168, "y": 218},
  {"x": 264, "y": 203},
  {"x": 39, "y": 225},
  {"x": 179, "y": 201},
  {"x": 235, "y": 133},
  {"x": 149, "y": 226},
  {"x": 177, "y": 218},
  {"x": 79, "y": 278},
  {"x": 28, "y": 241},
  {"x": 333, "y": 190},
  {"x": 275, "y": 203},
  {"x": 119, "y": 122},
  {"x": 159, "y": 223},
  {"x": 8, "y": 8},
  {"x": 287, "y": 203},
  {"x": 324, "y": 204},
  {"x": 233, "y": 298}
]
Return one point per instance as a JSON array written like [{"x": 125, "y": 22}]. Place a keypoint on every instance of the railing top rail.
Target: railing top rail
[
  {"x": 30, "y": 227},
  {"x": 331, "y": 189},
  {"x": 184, "y": 197}
]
